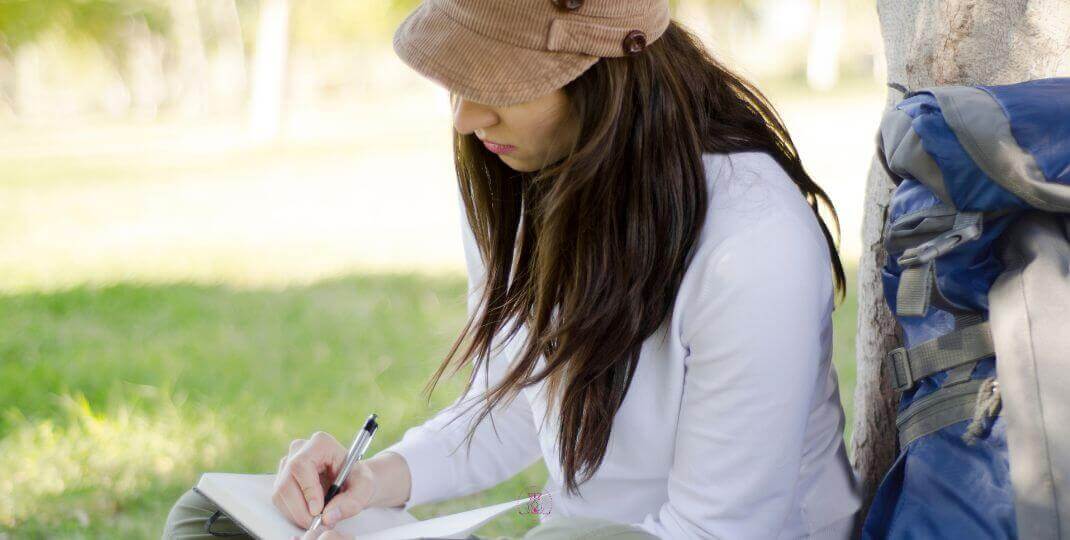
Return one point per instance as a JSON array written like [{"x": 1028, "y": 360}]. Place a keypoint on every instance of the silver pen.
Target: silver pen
[{"x": 356, "y": 451}]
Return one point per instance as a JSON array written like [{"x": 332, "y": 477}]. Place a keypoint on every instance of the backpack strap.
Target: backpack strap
[
  {"x": 946, "y": 406},
  {"x": 965, "y": 345}
]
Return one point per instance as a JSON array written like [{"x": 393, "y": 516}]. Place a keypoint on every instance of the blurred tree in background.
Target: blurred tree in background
[
  {"x": 117, "y": 28},
  {"x": 198, "y": 57}
]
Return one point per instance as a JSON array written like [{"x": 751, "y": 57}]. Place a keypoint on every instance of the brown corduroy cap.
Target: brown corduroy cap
[{"x": 504, "y": 52}]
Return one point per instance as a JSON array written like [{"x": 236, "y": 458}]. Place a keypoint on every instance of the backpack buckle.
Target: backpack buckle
[
  {"x": 899, "y": 364},
  {"x": 967, "y": 227}
]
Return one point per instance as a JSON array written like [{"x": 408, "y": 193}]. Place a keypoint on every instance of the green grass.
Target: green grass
[
  {"x": 221, "y": 379},
  {"x": 114, "y": 399},
  {"x": 844, "y": 321}
]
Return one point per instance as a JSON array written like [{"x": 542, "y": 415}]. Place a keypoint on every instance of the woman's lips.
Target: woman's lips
[{"x": 498, "y": 148}]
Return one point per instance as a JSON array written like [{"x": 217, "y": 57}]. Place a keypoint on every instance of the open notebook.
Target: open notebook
[{"x": 246, "y": 498}]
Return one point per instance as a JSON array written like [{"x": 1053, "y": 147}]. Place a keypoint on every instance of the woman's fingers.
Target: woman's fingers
[
  {"x": 307, "y": 474},
  {"x": 289, "y": 500},
  {"x": 280, "y": 504},
  {"x": 282, "y": 495},
  {"x": 283, "y": 485},
  {"x": 299, "y": 489},
  {"x": 295, "y": 446}
]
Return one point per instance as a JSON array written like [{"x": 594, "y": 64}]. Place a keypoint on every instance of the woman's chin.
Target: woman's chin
[{"x": 516, "y": 164}]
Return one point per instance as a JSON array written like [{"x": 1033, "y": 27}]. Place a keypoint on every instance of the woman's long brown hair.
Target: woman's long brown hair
[{"x": 597, "y": 243}]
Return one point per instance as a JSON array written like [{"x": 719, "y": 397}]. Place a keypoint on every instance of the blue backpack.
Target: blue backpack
[{"x": 977, "y": 277}]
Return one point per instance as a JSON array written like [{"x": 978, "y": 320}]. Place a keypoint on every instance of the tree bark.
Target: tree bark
[{"x": 928, "y": 43}]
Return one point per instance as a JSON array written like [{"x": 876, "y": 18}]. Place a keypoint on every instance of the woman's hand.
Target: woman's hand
[{"x": 306, "y": 473}]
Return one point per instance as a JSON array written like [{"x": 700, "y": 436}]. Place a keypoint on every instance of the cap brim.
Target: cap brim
[{"x": 479, "y": 68}]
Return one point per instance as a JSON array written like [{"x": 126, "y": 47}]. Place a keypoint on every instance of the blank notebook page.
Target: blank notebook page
[{"x": 246, "y": 498}]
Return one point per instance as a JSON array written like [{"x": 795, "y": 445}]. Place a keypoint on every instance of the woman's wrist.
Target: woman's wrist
[{"x": 393, "y": 481}]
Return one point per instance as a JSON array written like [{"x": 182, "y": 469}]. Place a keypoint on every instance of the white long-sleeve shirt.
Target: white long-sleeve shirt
[{"x": 732, "y": 427}]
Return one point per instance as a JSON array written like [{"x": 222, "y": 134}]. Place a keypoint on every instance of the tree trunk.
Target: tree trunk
[
  {"x": 28, "y": 86},
  {"x": 823, "y": 56},
  {"x": 142, "y": 68},
  {"x": 191, "y": 72},
  {"x": 928, "y": 43},
  {"x": 269, "y": 69},
  {"x": 227, "y": 61}
]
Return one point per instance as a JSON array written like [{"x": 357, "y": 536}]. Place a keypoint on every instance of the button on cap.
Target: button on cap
[
  {"x": 634, "y": 42},
  {"x": 568, "y": 5}
]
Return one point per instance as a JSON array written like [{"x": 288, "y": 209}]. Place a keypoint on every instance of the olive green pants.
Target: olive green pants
[{"x": 188, "y": 515}]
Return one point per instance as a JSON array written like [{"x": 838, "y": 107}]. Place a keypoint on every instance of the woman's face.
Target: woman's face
[{"x": 526, "y": 136}]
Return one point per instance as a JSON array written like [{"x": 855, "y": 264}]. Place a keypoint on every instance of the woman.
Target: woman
[{"x": 651, "y": 290}]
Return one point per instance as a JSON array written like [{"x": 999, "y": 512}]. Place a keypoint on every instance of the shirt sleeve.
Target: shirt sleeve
[
  {"x": 504, "y": 444},
  {"x": 756, "y": 333}
]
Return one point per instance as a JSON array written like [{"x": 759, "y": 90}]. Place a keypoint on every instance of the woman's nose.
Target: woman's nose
[{"x": 469, "y": 116}]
